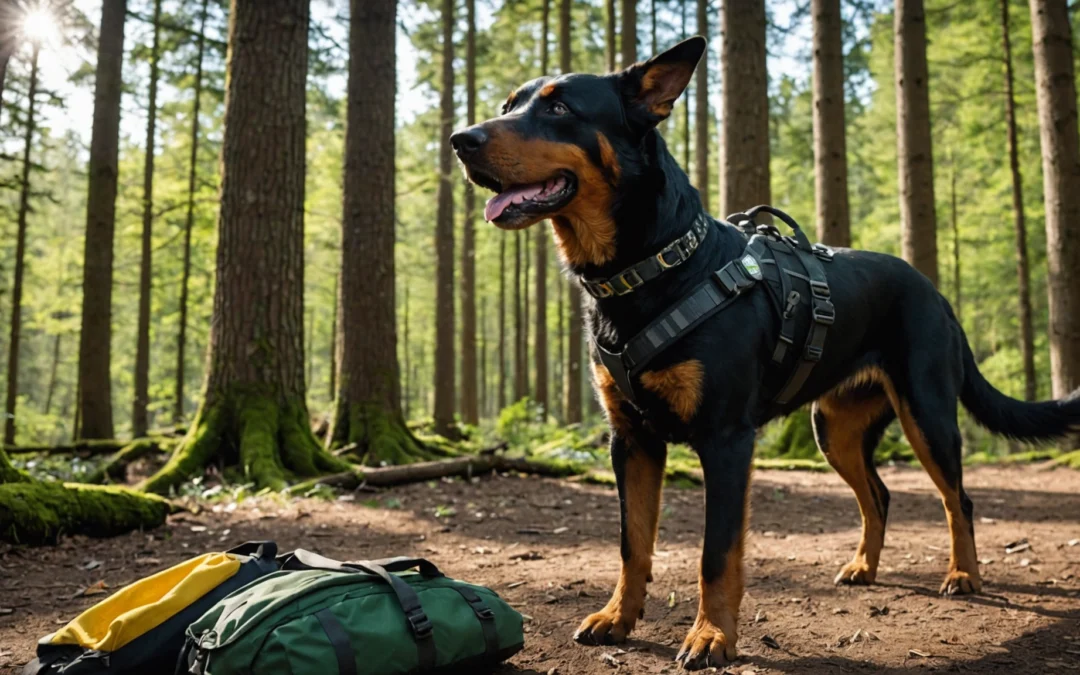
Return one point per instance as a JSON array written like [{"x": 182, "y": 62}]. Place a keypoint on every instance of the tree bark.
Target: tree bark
[
  {"x": 560, "y": 351},
  {"x": 502, "y": 321},
  {"x": 629, "y": 32},
  {"x": 1023, "y": 270},
  {"x": 470, "y": 411},
  {"x": 444, "y": 240},
  {"x": 521, "y": 387},
  {"x": 1056, "y": 92},
  {"x": 254, "y": 396},
  {"x": 918, "y": 223},
  {"x": 20, "y": 256},
  {"x": 572, "y": 412},
  {"x": 958, "y": 307},
  {"x": 8, "y": 41},
  {"x": 189, "y": 223},
  {"x": 610, "y": 50},
  {"x": 95, "y": 388},
  {"x": 686, "y": 99},
  {"x": 139, "y": 419},
  {"x": 53, "y": 370},
  {"x": 652, "y": 17},
  {"x": 367, "y": 403},
  {"x": 830, "y": 143},
  {"x": 744, "y": 168},
  {"x": 701, "y": 112}
]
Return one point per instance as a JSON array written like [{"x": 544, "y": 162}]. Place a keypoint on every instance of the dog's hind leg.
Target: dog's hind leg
[
  {"x": 639, "y": 473},
  {"x": 848, "y": 426},
  {"x": 930, "y": 426}
]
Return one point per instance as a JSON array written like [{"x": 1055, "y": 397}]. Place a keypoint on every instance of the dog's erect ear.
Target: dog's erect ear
[{"x": 651, "y": 88}]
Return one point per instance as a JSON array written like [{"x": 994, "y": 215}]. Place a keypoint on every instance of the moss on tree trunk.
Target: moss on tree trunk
[
  {"x": 34, "y": 512},
  {"x": 270, "y": 442},
  {"x": 381, "y": 437}
]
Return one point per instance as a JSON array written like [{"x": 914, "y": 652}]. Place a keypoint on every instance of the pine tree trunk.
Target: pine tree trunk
[
  {"x": 367, "y": 403},
  {"x": 572, "y": 373},
  {"x": 958, "y": 306},
  {"x": 521, "y": 389},
  {"x": 629, "y": 32},
  {"x": 9, "y": 43},
  {"x": 444, "y": 240},
  {"x": 686, "y": 99},
  {"x": 334, "y": 338},
  {"x": 1056, "y": 89},
  {"x": 483, "y": 359},
  {"x": 139, "y": 419},
  {"x": 470, "y": 412},
  {"x": 744, "y": 168},
  {"x": 610, "y": 50},
  {"x": 254, "y": 396},
  {"x": 1023, "y": 269},
  {"x": 701, "y": 112},
  {"x": 540, "y": 345},
  {"x": 502, "y": 321},
  {"x": 52, "y": 373},
  {"x": 918, "y": 223},
  {"x": 95, "y": 389},
  {"x": 652, "y": 16},
  {"x": 189, "y": 223},
  {"x": 560, "y": 351},
  {"x": 830, "y": 144},
  {"x": 20, "y": 256}
]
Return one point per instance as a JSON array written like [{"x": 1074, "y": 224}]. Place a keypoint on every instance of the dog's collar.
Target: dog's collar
[{"x": 633, "y": 277}]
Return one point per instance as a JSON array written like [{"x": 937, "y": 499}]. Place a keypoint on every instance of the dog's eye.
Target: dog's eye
[{"x": 559, "y": 108}]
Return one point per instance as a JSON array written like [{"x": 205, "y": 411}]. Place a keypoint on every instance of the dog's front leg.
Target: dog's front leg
[
  {"x": 639, "y": 473},
  {"x": 726, "y": 461}
]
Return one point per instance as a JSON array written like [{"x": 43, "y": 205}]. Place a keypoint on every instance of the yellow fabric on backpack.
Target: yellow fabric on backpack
[{"x": 146, "y": 604}]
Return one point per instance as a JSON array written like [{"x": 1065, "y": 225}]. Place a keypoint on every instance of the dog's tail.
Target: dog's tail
[{"x": 1022, "y": 420}]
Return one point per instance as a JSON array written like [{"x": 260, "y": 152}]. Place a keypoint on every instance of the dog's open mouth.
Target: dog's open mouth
[{"x": 517, "y": 206}]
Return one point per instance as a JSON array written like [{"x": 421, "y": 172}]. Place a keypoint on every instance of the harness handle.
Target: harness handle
[{"x": 800, "y": 237}]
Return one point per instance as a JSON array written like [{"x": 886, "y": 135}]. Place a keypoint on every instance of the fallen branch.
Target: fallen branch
[
  {"x": 86, "y": 448},
  {"x": 425, "y": 471},
  {"x": 115, "y": 467}
]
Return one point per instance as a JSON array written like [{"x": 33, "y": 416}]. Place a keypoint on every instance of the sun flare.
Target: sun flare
[{"x": 39, "y": 25}]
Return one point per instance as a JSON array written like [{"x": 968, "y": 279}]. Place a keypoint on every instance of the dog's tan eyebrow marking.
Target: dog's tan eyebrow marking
[{"x": 547, "y": 90}]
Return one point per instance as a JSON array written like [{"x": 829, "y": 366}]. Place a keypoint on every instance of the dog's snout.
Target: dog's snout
[{"x": 467, "y": 141}]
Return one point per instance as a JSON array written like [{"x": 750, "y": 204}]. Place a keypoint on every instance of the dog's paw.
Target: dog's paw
[
  {"x": 961, "y": 583},
  {"x": 606, "y": 627},
  {"x": 855, "y": 573},
  {"x": 706, "y": 646}
]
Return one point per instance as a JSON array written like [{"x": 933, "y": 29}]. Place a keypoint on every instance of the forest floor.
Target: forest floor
[{"x": 551, "y": 548}]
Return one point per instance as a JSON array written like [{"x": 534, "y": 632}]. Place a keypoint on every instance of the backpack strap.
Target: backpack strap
[
  {"x": 486, "y": 618},
  {"x": 339, "y": 640}
]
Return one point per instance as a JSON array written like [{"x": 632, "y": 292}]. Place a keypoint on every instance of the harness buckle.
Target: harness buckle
[
  {"x": 631, "y": 279},
  {"x": 604, "y": 290},
  {"x": 664, "y": 263},
  {"x": 813, "y": 353},
  {"x": 824, "y": 313},
  {"x": 820, "y": 290}
]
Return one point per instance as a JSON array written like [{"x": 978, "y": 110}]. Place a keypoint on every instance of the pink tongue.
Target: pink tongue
[{"x": 515, "y": 195}]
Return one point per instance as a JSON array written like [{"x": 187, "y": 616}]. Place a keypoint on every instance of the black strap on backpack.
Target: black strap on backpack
[{"x": 409, "y": 601}]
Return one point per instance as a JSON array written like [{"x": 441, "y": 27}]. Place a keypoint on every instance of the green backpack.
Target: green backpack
[{"x": 361, "y": 617}]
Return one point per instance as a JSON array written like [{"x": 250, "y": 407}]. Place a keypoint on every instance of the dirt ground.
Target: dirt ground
[{"x": 551, "y": 548}]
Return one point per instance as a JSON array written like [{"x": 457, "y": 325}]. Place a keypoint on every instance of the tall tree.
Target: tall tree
[
  {"x": 610, "y": 49},
  {"x": 628, "y": 34},
  {"x": 20, "y": 253},
  {"x": 139, "y": 418},
  {"x": 501, "y": 398},
  {"x": 95, "y": 388},
  {"x": 1023, "y": 269},
  {"x": 470, "y": 411},
  {"x": 521, "y": 387},
  {"x": 1056, "y": 92},
  {"x": 701, "y": 111},
  {"x": 744, "y": 168},
  {"x": 9, "y": 41},
  {"x": 444, "y": 239},
  {"x": 189, "y": 222},
  {"x": 830, "y": 143},
  {"x": 254, "y": 396},
  {"x": 918, "y": 222},
  {"x": 367, "y": 403},
  {"x": 540, "y": 344},
  {"x": 686, "y": 96},
  {"x": 572, "y": 411},
  {"x": 652, "y": 26}
]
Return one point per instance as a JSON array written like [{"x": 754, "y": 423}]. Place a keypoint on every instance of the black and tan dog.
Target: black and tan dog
[{"x": 583, "y": 151}]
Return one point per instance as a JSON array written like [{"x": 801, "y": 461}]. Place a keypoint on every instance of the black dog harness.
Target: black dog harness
[{"x": 789, "y": 266}]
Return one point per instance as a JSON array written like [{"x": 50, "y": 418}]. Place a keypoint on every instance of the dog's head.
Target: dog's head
[{"x": 569, "y": 147}]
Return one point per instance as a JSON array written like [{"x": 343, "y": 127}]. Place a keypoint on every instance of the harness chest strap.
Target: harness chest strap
[{"x": 722, "y": 288}]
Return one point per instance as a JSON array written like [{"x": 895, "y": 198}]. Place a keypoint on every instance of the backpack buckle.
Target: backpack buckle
[{"x": 420, "y": 623}]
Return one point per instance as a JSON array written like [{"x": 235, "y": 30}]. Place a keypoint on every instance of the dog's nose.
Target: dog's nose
[{"x": 467, "y": 141}]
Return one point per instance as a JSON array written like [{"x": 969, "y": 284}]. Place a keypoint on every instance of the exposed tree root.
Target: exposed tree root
[
  {"x": 115, "y": 468},
  {"x": 35, "y": 512},
  {"x": 380, "y": 438},
  {"x": 271, "y": 442}
]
